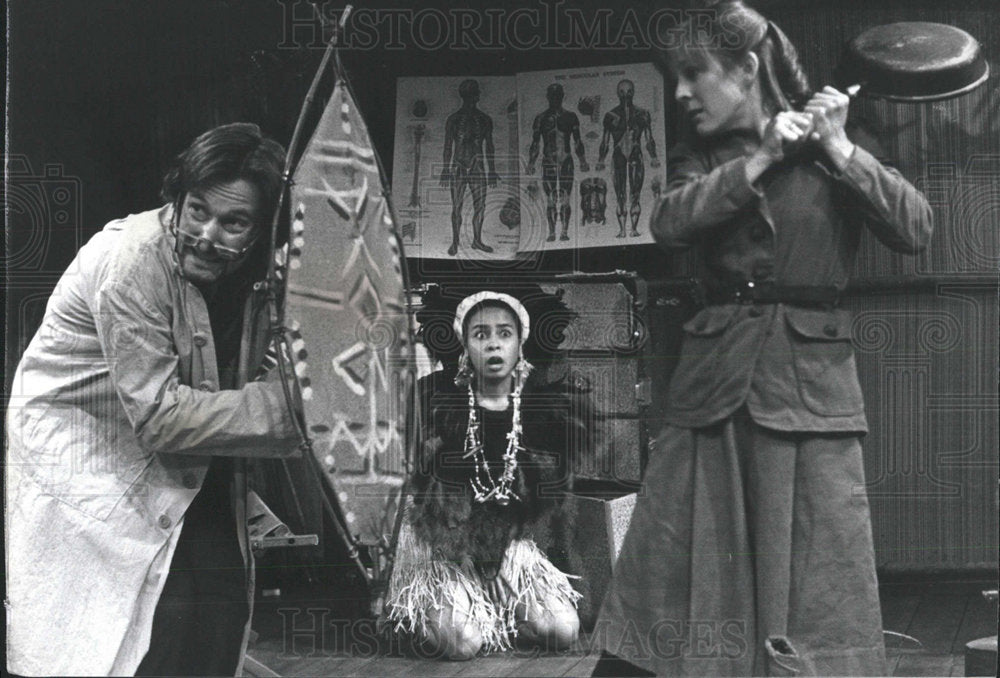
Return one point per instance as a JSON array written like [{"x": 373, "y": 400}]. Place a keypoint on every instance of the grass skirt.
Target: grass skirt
[{"x": 423, "y": 581}]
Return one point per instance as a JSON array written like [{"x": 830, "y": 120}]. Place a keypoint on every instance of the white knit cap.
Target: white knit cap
[{"x": 471, "y": 301}]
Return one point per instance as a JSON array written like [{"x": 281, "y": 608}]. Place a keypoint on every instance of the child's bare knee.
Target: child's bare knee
[
  {"x": 554, "y": 624},
  {"x": 452, "y": 633},
  {"x": 459, "y": 643},
  {"x": 560, "y": 628}
]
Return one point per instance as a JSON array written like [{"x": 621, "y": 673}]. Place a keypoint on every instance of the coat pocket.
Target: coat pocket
[
  {"x": 76, "y": 456},
  {"x": 824, "y": 361},
  {"x": 698, "y": 371},
  {"x": 98, "y": 494}
]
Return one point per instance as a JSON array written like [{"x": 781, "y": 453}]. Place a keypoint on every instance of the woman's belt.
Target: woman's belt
[{"x": 750, "y": 292}]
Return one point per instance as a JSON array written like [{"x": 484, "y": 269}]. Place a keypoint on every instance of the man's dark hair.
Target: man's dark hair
[{"x": 225, "y": 154}]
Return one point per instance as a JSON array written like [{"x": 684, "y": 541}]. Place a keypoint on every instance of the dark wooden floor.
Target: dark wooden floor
[
  {"x": 300, "y": 637},
  {"x": 943, "y": 616}
]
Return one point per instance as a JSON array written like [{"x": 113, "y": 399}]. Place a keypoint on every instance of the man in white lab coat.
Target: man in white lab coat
[{"x": 131, "y": 415}]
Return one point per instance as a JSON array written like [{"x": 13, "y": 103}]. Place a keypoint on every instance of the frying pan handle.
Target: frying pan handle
[{"x": 851, "y": 91}]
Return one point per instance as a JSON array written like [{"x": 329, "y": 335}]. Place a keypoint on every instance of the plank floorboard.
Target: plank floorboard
[
  {"x": 899, "y": 604},
  {"x": 352, "y": 666},
  {"x": 493, "y": 665},
  {"x": 392, "y": 667},
  {"x": 586, "y": 665},
  {"x": 979, "y": 621},
  {"x": 891, "y": 664},
  {"x": 936, "y": 621},
  {"x": 918, "y": 664},
  {"x": 546, "y": 665},
  {"x": 943, "y": 615}
]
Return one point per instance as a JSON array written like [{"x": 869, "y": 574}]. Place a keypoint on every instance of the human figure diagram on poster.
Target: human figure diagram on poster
[
  {"x": 564, "y": 203},
  {"x": 455, "y": 167},
  {"x": 626, "y": 126},
  {"x": 554, "y": 131}
]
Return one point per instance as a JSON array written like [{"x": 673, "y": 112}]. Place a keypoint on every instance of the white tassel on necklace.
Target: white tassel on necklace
[{"x": 484, "y": 487}]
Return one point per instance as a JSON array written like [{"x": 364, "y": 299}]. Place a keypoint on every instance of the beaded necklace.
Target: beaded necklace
[{"x": 484, "y": 488}]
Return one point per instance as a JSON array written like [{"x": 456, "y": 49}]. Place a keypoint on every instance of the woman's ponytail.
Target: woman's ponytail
[{"x": 789, "y": 78}]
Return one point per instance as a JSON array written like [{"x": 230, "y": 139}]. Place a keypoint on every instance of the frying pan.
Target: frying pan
[{"x": 912, "y": 61}]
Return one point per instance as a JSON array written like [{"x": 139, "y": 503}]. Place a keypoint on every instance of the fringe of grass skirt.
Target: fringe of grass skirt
[{"x": 422, "y": 582}]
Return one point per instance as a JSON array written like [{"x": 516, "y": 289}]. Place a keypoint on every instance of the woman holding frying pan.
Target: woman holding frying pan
[{"x": 750, "y": 550}]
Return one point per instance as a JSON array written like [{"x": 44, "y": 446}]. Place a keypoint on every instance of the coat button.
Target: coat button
[
  {"x": 207, "y": 386},
  {"x": 754, "y": 312},
  {"x": 164, "y": 521},
  {"x": 200, "y": 339},
  {"x": 830, "y": 330},
  {"x": 190, "y": 480}
]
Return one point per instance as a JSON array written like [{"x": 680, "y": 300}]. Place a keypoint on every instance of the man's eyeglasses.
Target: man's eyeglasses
[{"x": 206, "y": 246}]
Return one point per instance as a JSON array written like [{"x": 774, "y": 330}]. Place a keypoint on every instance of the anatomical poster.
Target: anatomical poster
[
  {"x": 592, "y": 154},
  {"x": 455, "y": 167}
]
